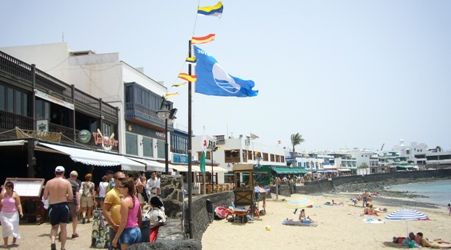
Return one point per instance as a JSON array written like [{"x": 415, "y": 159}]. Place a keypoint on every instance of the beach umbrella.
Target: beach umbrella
[
  {"x": 300, "y": 203},
  {"x": 407, "y": 215}
]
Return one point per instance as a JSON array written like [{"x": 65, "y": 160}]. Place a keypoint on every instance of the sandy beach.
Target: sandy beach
[{"x": 339, "y": 227}]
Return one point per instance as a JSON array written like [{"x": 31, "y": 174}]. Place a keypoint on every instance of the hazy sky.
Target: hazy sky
[{"x": 341, "y": 73}]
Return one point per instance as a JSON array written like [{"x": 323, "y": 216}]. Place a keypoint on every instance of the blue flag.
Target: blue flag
[{"x": 213, "y": 80}]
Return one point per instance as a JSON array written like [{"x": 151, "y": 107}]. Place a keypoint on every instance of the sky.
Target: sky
[{"x": 344, "y": 74}]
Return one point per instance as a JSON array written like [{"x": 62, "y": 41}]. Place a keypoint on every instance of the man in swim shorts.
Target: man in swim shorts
[{"x": 59, "y": 192}]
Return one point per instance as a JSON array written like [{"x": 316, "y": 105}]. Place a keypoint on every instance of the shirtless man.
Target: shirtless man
[{"x": 59, "y": 192}]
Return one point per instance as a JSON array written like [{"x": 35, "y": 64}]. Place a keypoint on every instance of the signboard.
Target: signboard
[
  {"x": 179, "y": 158},
  {"x": 208, "y": 144},
  {"x": 42, "y": 125},
  {"x": 107, "y": 142},
  {"x": 53, "y": 99},
  {"x": 84, "y": 136},
  {"x": 27, "y": 187}
]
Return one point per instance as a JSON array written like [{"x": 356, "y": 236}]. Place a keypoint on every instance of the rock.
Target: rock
[{"x": 168, "y": 245}]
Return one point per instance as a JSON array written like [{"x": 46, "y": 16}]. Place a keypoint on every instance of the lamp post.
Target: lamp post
[{"x": 166, "y": 114}]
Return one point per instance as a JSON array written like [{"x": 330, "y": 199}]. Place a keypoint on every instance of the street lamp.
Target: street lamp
[{"x": 166, "y": 114}]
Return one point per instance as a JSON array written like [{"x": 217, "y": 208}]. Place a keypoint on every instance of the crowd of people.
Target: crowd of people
[{"x": 119, "y": 197}]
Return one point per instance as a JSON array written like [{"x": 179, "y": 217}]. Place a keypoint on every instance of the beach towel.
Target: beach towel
[
  {"x": 372, "y": 220},
  {"x": 222, "y": 212},
  {"x": 10, "y": 224},
  {"x": 288, "y": 222}
]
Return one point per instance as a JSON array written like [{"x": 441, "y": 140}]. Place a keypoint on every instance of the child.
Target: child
[{"x": 156, "y": 217}]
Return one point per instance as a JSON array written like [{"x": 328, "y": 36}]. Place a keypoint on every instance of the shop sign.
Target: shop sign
[{"x": 107, "y": 142}]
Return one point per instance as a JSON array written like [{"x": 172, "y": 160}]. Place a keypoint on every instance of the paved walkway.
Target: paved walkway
[{"x": 37, "y": 237}]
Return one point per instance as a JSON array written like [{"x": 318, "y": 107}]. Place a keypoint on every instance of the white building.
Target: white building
[
  {"x": 413, "y": 152},
  {"x": 242, "y": 149},
  {"x": 138, "y": 97}
]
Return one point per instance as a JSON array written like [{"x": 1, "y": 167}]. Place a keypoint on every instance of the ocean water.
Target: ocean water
[{"x": 437, "y": 192}]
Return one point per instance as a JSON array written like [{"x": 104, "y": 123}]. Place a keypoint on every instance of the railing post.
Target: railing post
[
  {"x": 101, "y": 115},
  {"x": 33, "y": 95}
]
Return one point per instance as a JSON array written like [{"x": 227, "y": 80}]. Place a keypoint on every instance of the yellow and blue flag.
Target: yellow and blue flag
[
  {"x": 215, "y": 10},
  {"x": 213, "y": 80}
]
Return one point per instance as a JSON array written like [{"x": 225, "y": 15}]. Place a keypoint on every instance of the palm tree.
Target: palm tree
[{"x": 296, "y": 139}]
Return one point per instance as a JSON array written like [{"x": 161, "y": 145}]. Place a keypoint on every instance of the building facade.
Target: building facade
[{"x": 138, "y": 97}]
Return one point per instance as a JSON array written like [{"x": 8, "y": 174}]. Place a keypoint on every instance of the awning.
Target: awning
[
  {"x": 12, "y": 143},
  {"x": 184, "y": 168},
  {"x": 288, "y": 170},
  {"x": 151, "y": 165},
  {"x": 344, "y": 169},
  {"x": 90, "y": 157}
]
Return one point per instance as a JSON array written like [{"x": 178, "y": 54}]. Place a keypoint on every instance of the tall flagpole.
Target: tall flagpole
[{"x": 190, "y": 135}]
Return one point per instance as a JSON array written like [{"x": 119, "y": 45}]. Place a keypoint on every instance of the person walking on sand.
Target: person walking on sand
[
  {"x": 10, "y": 208},
  {"x": 58, "y": 192},
  {"x": 112, "y": 207},
  {"x": 449, "y": 209},
  {"x": 74, "y": 206}
]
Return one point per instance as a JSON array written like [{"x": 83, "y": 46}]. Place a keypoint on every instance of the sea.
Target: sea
[{"x": 437, "y": 192}]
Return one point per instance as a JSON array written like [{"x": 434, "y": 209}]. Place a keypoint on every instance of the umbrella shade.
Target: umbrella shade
[
  {"x": 407, "y": 214},
  {"x": 301, "y": 203}
]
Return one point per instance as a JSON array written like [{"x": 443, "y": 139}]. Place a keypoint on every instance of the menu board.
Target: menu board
[{"x": 27, "y": 187}]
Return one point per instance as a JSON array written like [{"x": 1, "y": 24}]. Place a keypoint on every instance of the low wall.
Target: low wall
[
  {"x": 344, "y": 183},
  {"x": 200, "y": 217}
]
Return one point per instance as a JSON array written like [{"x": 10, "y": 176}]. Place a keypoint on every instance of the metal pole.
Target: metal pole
[
  {"x": 212, "y": 167},
  {"x": 190, "y": 135},
  {"x": 166, "y": 147},
  {"x": 73, "y": 113}
]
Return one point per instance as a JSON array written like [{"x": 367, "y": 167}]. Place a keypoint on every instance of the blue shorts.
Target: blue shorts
[
  {"x": 59, "y": 213},
  {"x": 130, "y": 236}
]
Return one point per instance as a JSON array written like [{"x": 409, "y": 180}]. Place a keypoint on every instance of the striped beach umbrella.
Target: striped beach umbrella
[{"x": 407, "y": 215}]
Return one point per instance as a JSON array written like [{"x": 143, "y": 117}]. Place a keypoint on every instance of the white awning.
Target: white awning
[
  {"x": 218, "y": 170},
  {"x": 12, "y": 143},
  {"x": 90, "y": 157},
  {"x": 151, "y": 165},
  {"x": 184, "y": 168}
]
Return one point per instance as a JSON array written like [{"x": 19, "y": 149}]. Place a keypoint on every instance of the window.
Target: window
[
  {"x": 107, "y": 129},
  {"x": 272, "y": 158},
  {"x": 232, "y": 156},
  {"x": 265, "y": 156},
  {"x": 2, "y": 97},
  {"x": 249, "y": 155},
  {"x": 131, "y": 144},
  {"x": 147, "y": 147},
  {"x": 160, "y": 149},
  {"x": 244, "y": 155},
  {"x": 282, "y": 158},
  {"x": 10, "y": 100}
]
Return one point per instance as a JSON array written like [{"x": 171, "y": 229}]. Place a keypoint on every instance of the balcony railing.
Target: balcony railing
[{"x": 21, "y": 73}]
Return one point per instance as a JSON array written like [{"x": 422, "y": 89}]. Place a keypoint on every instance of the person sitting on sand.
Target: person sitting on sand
[
  {"x": 438, "y": 243},
  {"x": 372, "y": 211},
  {"x": 366, "y": 210},
  {"x": 303, "y": 218}
]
